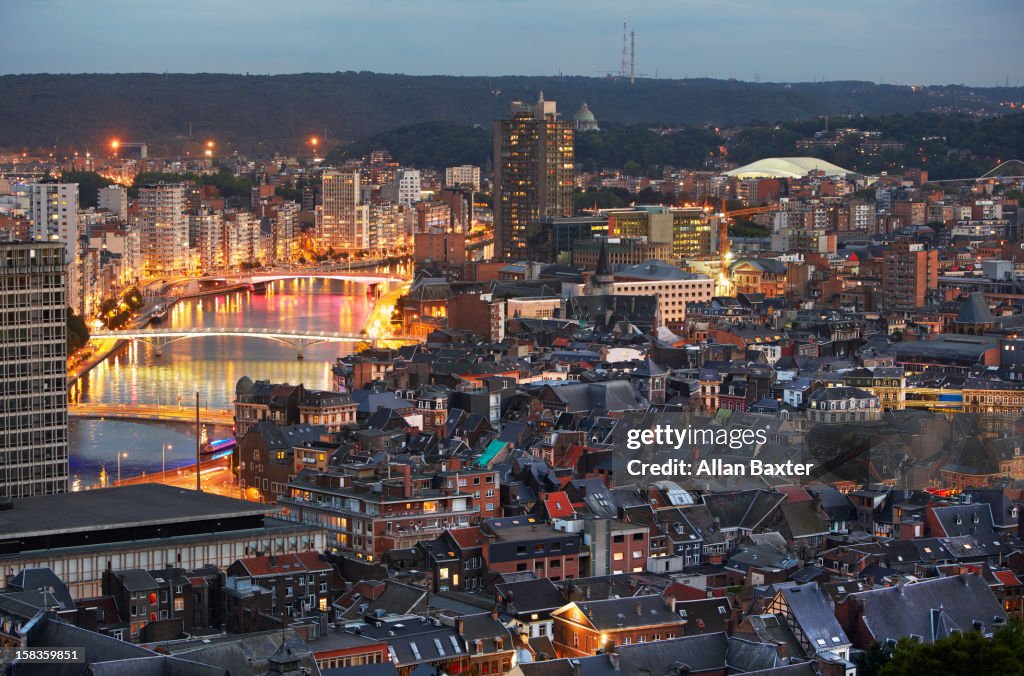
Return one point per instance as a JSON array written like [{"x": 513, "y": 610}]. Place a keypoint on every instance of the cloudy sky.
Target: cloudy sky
[{"x": 978, "y": 42}]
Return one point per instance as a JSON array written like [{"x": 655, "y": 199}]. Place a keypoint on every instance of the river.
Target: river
[{"x": 210, "y": 366}]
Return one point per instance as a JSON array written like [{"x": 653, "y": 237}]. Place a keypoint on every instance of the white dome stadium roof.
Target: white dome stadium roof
[{"x": 787, "y": 167}]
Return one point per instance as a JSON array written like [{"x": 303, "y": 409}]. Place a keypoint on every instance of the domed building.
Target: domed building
[
  {"x": 244, "y": 385},
  {"x": 585, "y": 120}
]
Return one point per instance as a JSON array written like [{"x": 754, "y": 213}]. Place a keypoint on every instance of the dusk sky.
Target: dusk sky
[{"x": 906, "y": 42}]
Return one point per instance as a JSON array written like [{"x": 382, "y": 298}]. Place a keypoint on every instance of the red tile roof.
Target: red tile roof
[
  {"x": 284, "y": 564},
  {"x": 1007, "y": 578},
  {"x": 558, "y": 506},
  {"x": 467, "y": 537}
]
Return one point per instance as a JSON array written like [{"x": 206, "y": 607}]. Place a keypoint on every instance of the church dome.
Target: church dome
[{"x": 244, "y": 385}]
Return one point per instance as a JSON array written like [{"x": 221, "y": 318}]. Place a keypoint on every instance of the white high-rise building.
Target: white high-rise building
[
  {"x": 405, "y": 189},
  {"x": 33, "y": 369},
  {"x": 283, "y": 228},
  {"x": 206, "y": 237},
  {"x": 163, "y": 229},
  {"x": 343, "y": 220},
  {"x": 53, "y": 213},
  {"x": 113, "y": 198},
  {"x": 464, "y": 175}
]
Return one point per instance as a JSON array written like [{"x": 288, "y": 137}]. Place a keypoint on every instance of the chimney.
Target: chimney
[
  {"x": 494, "y": 614},
  {"x": 613, "y": 657},
  {"x": 782, "y": 649},
  {"x": 670, "y": 603},
  {"x": 639, "y": 609}
]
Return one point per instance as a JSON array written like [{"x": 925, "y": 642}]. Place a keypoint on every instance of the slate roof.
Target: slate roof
[
  {"x": 964, "y": 519},
  {"x": 975, "y": 310},
  {"x": 743, "y": 509},
  {"x": 531, "y": 596},
  {"x": 812, "y": 611},
  {"x": 929, "y": 608},
  {"x": 803, "y": 519},
  {"x": 611, "y": 614}
]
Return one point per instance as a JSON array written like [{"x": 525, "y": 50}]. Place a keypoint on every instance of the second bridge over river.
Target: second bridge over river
[{"x": 298, "y": 340}]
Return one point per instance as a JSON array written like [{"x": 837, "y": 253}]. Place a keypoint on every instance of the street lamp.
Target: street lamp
[
  {"x": 119, "y": 456},
  {"x": 163, "y": 459}
]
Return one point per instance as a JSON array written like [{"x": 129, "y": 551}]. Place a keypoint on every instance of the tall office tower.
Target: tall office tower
[
  {"x": 53, "y": 213},
  {"x": 162, "y": 222},
  {"x": 533, "y": 172},
  {"x": 113, "y": 198},
  {"x": 343, "y": 220},
  {"x": 33, "y": 369}
]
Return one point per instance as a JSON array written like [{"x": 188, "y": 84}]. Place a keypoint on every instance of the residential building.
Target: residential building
[
  {"x": 163, "y": 228},
  {"x": 909, "y": 271},
  {"x": 113, "y": 198},
  {"x": 33, "y": 369},
  {"x": 463, "y": 175},
  {"x": 343, "y": 220},
  {"x": 53, "y": 215},
  {"x": 584, "y": 628},
  {"x": 300, "y": 584},
  {"x": 404, "y": 189}
]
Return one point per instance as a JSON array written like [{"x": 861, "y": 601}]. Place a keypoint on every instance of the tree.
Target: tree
[
  {"x": 632, "y": 168},
  {"x": 89, "y": 183},
  {"x": 966, "y": 653},
  {"x": 78, "y": 332},
  {"x": 871, "y": 661}
]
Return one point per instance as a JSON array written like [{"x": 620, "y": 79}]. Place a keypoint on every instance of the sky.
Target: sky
[{"x": 974, "y": 42}]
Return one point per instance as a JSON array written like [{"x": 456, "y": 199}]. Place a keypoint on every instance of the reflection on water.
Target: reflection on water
[
  {"x": 96, "y": 443},
  {"x": 210, "y": 366}
]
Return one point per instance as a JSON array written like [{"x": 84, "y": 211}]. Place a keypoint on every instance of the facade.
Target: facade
[
  {"x": 113, "y": 198},
  {"x": 343, "y": 220},
  {"x": 143, "y": 526},
  {"x": 673, "y": 287},
  {"x": 908, "y": 272},
  {"x": 533, "y": 172},
  {"x": 369, "y": 523},
  {"x": 589, "y": 627},
  {"x": 33, "y": 369},
  {"x": 843, "y": 405},
  {"x": 404, "y": 189},
  {"x": 300, "y": 585},
  {"x": 53, "y": 215},
  {"x": 206, "y": 238},
  {"x": 163, "y": 229},
  {"x": 463, "y": 175}
]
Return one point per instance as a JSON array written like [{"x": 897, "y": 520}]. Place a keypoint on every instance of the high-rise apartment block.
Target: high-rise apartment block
[
  {"x": 343, "y": 220},
  {"x": 53, "y": 214},
  {"x": 33, "y": 369},
  {"x": 462, "y": 176},
  {"x": 113, "y": 198},
  {"x": 908, "y": 272},
  {"x": 533, "y": 172},
  {"x": 404, "y": 189},
  {"x": 163, "y": 227}
]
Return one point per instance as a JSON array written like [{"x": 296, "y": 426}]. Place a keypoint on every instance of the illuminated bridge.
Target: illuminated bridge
[{"x": 298, "y": 340}]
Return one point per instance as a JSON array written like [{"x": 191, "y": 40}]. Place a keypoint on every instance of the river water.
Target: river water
[{"x": 210, "y": 366}]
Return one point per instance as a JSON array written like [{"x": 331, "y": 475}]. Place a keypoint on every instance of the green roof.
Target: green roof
[{"x": 493, "y": 449}]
